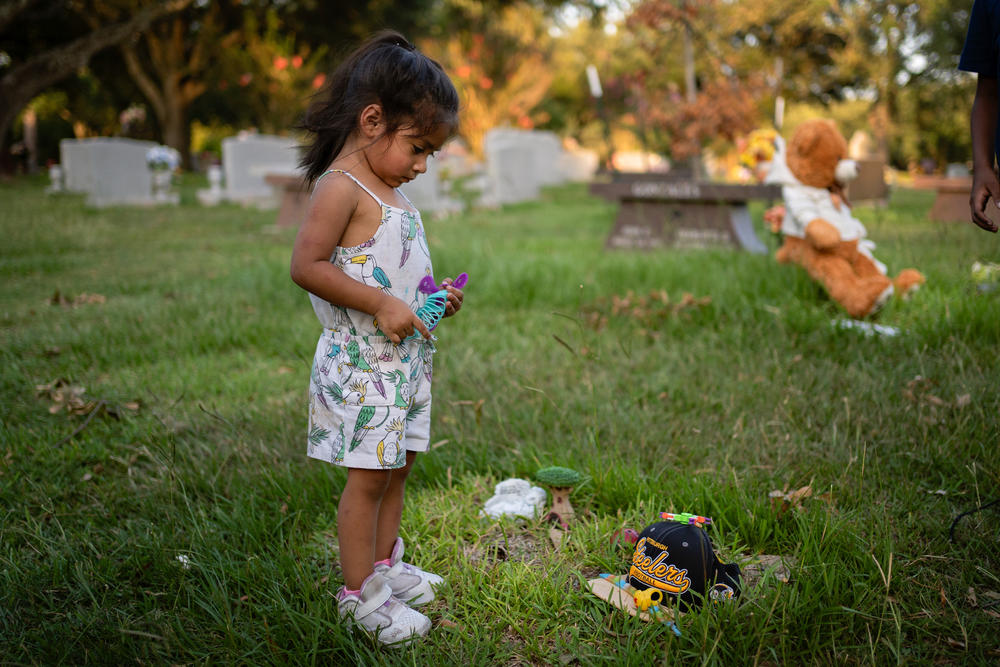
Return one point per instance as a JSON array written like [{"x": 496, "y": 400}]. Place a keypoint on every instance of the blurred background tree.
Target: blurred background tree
[{"x": 678, "y": 76}]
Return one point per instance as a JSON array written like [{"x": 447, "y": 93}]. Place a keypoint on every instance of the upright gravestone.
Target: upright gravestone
[
  {"x": 578, "y": 165},
  {"x": 248, "y": 159},
  {"x": 75, "y": 160},
  {"x": 520, "y": 162},
  {"x": 511, "y": 168},
  {"x": 110, "y": 170},
  {"x": 870, "y": 184}
]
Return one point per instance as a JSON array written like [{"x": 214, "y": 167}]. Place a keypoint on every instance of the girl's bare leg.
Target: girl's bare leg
[
  {"x": 391, "y": 511},
  {"x": 358, "y": 515}
]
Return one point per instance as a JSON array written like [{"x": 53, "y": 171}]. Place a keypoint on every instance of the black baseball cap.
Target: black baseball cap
[{"x": 678, "y": 559}]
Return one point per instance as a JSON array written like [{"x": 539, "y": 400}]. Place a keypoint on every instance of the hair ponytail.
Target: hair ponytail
[{"x": 387, "y": 70}]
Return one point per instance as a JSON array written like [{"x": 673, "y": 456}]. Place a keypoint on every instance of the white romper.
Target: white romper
[{"x": 369, "y": 399}]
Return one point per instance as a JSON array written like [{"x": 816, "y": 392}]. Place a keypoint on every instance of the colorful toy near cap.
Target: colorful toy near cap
[
  {"x": 647, "y": 598},
  {"x": 692, "y": 519}
]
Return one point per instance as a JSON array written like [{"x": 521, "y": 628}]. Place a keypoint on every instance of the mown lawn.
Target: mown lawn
[{"x": 180, "y": 522}]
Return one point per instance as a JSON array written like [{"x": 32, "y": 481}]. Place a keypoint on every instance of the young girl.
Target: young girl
[{"x": 360, "y": 254}]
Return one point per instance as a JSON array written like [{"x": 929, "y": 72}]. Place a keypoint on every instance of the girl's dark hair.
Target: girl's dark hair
[{"x": 386, "y": 70}]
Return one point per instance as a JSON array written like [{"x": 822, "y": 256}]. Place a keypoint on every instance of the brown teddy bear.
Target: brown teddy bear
[{"x": 820, "y": 234}]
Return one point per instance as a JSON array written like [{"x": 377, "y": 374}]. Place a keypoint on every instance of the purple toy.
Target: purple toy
[
  {"x": 433, "y": 309},
  {"x": 428, "y": 286}
]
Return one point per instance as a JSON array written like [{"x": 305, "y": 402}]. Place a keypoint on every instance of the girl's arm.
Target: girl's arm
[
  {"x": 329, "y": 214},
  {"x": 984, "y": 179}
]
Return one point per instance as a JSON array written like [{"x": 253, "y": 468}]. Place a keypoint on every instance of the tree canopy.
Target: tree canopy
[{"x": 159, "y": 70}]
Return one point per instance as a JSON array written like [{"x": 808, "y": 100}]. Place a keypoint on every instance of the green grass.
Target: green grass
[{"x": 707, "y": 410}]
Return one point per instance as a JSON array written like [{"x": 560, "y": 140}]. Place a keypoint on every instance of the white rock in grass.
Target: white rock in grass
[
  {"x": 868, "y": 328},
  {"x": 515, "y": 497}
]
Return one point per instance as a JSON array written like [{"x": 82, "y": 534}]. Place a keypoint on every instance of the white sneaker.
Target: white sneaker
[
  {"x": 377, "y": 610},
  {"x": 408, "y": 582}
]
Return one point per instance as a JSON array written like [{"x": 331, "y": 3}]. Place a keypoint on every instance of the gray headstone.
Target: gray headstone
[
  {"x": 110, "y": 170},
  {"x": 248, "y": 159},
  {"x": 520, "y": 162}
]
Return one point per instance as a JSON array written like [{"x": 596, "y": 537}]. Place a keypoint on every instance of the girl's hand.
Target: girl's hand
[
  {"x": 455, "y": 298},
  {"x": 397, "y": 321}
]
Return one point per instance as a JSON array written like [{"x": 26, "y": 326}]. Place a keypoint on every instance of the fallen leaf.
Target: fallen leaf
[
  {"x": 59, "y": 299},
  {"x": 65, "y": 396},
  {"x": 447, "y": 623},
  {"x": 963, "y": 400},
  {"x": 784, "y": 499}
]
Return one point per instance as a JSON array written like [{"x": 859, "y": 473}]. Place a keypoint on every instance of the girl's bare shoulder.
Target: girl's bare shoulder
[{"x": 335, "y": 190}]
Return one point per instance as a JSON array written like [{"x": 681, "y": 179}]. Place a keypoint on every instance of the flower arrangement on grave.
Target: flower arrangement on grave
[
  {"x": 162, "y": 161},
  {"x": 163, "y": 158},
  {"x": 757, "y": 151}
]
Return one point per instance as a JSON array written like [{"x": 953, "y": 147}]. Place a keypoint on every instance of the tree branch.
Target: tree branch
[
  {"x": 144, "y": 81},
  {"x": 11, "y": 9},
  {"x": 24, "y": 81}
]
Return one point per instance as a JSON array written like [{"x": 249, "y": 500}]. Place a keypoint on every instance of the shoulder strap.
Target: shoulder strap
[
  {"x": 356, "y": 181},
  {"x": 408, "y": 202}
]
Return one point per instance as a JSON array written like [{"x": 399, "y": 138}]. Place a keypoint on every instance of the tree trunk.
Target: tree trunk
[
  {"x": 167, "y": 87},
  {"x": 176, "y": 129},
  {"x": 23, "y": 82}
]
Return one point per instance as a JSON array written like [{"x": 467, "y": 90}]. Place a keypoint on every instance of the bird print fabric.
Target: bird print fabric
[{"x": 370, "y": 399}]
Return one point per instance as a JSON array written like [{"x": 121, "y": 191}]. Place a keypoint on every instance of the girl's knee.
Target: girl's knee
[
  {"x": 400, "y": 474},
  {"x": 370, "y": 483}
]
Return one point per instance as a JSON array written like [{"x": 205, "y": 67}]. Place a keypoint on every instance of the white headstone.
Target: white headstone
[
  {"x": 248, "y": 159},
  {"x": 579, "y": 165},
  {"x": 519, "y": 162},
  {"x": 110, "y": 170},
  {"x": 76, "y": 164}
]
